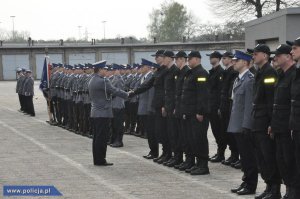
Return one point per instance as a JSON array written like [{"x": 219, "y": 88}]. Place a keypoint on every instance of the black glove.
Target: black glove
[{"x": 130, "y": 94}]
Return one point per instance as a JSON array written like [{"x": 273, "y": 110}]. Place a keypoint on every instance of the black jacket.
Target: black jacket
[
  {"x": 282, "y": 101},
  {"x": 263, "y": 97},
  {"x": 295, "y": 109},
  {"x": 178, "y": 90},
  {"x": 169, "y": 85},
  {"x": 157, "y": 81},
  {"x": 195, "y": 99},
  {"x": 228, "y": 76},
  {"x": 215, "y": 80}
]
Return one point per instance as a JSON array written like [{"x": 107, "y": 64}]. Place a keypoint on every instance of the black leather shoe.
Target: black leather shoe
[
  {"x": 174, "y": 162},
  {"x": 264, "y": 193},
  {"x": 191, "y": 169},
  {"x": 229, "y": 160},
  {"x": 104, "y": 164},
  {"x": 117, "y": 145},
  {"x": 177, "y": 166},
  {"x": 218, "y": 158},
  {"x": 245, "y": 191},
  {"x": 165, "y": 163},
  {"x": 185, "y": 166},
  {"x": 150, "y": 156},
  {"x": 158, "y": 158},
  {"x": 213, "y": 156},
  {"x": 234, "y": 190},
  {"x": 200, "y": 171},
  {"x": 238, "y": 165},
  {"x": 164, "y": 159}
]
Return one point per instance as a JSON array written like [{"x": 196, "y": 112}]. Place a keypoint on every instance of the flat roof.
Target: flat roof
[{"x": 287, "y": 11}]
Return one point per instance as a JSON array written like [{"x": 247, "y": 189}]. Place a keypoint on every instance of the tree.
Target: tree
[
  {"x": 171, "y": 22},
  {"x": 234, "y": 9}
]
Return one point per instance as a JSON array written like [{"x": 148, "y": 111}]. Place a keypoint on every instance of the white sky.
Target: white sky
[{"x": 59, "y": 19}]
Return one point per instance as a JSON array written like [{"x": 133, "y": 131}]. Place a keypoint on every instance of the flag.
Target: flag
[{"x": 44, "y": 85}]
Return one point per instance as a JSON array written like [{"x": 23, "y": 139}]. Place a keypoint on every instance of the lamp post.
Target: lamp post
[
  {"x": 79, "y": 32},
  {"x": 103, "y": 29},
  {"x": 13, "y": 27}
]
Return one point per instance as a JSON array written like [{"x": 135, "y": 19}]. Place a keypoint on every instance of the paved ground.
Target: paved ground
[{"x": 34, "y": 153}]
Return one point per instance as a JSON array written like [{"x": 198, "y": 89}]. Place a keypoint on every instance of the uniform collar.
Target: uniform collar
[{"x": 241, "y": 75}]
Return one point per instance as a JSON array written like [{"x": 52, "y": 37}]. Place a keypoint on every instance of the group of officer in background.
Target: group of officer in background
[
  {"x": 252, "y": 106},
  {"x": 25, "y": 91}
]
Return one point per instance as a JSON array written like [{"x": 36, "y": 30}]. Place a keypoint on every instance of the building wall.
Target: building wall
[{"x": 32, "y": 57}]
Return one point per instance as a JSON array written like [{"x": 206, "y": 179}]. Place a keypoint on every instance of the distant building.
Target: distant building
[{"x": 273, "y": 29}]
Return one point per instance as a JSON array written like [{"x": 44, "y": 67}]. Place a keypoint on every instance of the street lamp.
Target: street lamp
[
  {"x": 79, "y": 32},
  {"x": 103, "y": 29},
  {"x": 13, "y": 23}
]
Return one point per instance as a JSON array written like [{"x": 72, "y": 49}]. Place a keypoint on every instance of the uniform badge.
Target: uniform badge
[
  {"x": 201, "y": 79},
  {"x": 269, "y": 80}
]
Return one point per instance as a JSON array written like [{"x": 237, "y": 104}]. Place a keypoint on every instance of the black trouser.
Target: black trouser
[
  {"x": 173, "y": 133},
  {"x": 182, "y": 145},
  {"x": 229, "y": 137},
  {"x": 71, "y": 115},
  {"x": 266, "y": 158},
  {"x": 161, "y": 131},
  {"x": 296, "y": 139},
  {"x": 101, "y": 128},
  {"x": 28, "y": 100},
  {"x": 21, "y": 102},
  {"x": 80, "y": 116},
  {"x": 58, "y": 109},
  {"x": 151, "y": 136},
  {"x": 117, "y": 126},
  {"x": 86, "y": 120},
  {"x": 127, "y": 116},
  {"x": 54, "y": 108},
  {"x": 215, "y": 124},
  {"x": 197, "y": 136},
  {"x": 285, "y": 157},
  {"x": 245, "y": 143},
  {"x": 133, "y": 108},
  {"x": 65, "y": 112}
]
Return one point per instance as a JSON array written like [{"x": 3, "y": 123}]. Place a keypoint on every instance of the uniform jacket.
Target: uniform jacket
[
  {"x": 240, "y": 117},
  {"x": 100, "y": 91}
]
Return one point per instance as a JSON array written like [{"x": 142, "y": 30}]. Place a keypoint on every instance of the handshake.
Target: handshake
[{"x": 130, "y": 93}]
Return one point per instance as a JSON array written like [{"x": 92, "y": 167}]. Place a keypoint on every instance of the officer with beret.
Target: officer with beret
[
  {"x": 280, "y": 117},
  {"x": 263, "y": 98},
  {"x": 295, "y": 110},
  {"x": 215, "y": 81},
  {"x": 100, "y": 91},
  {"x": 195, "y": 110},
  {"x": 240, "y": 123}
]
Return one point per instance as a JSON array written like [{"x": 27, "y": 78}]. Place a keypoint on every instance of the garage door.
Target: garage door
[
  {"x": 11, "y": 63},
  {"x": 82, "y": 58},
  {"x": 54, "y": 58},
  {"x": 118, "y": 58}
]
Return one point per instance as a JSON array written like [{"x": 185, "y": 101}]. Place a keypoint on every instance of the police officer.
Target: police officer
[
  {"x": 182, "y": 145},
  {"x": 228, "y": 77},
  {"x": 100, "y": 91},
  {"x": 20, "y": 77},
  {"x": 265, "y": 79},
  {"x": 215, "y": 81},
  {"x": 240, "y": 122},
  {"x": 145, "y": 110},
  {"x": 295, "y": 110},
  {"x": 118, "y": 107},
  {"x": 168, "y": 109},
  {"x": 157, "y": 81},
  {"x": 195, "y": 109},
  {"x": 28, "y": 92},
  {"x": 280, "y": 117}
]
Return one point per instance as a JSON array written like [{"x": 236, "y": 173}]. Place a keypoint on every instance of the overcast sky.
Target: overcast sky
[{"x": 59, "y": 19}]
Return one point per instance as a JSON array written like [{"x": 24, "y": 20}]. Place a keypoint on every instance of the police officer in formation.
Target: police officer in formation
[
  {"x": 251, "y": 105},
  {"x": 25, "y": 90}
]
